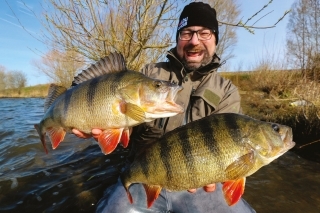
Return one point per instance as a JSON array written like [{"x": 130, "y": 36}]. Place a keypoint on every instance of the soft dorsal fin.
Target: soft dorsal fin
[
  {"x": 54, "y": 92},
  {"x": 111, "y": 63}
]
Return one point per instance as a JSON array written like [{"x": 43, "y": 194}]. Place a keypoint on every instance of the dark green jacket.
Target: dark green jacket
[{"x": 204, "y": 92}]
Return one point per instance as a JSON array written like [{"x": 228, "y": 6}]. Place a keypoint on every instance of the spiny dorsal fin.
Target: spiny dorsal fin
[
  {"x": 111, "y": 63},
  {"x": 54, "y": 92}
]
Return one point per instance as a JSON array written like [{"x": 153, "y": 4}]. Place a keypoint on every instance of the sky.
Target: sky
[{"x": 19, "y": 46}]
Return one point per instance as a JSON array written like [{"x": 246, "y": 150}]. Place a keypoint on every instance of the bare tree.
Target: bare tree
[
  {"x": 139, "y": 29},
  {"x": 12, "y": 79},
  {"x": 60, "y": 67},
  {"x": 303, "y": 34},
  {"x": 15, "y": 79},
  {"x": 227, "y": 11},
  {"x": 2, "y": 77}
]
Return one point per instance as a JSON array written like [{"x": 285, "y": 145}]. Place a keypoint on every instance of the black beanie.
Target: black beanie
[{"x": 199, "y": 14}]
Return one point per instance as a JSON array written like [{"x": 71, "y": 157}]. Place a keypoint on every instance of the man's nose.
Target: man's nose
[{"x": 194, "y": 39}]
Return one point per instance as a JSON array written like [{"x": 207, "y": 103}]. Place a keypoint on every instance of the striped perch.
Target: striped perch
[
  {"x": 218, "y": 148},
  {"x": 106, "y": 96}
]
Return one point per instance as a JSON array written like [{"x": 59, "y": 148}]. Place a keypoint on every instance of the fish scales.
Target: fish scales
[
  {"x": 92, "y": 90},
  {"x": 109, "y": 97},
  {"x": 185, "y": 163},
  {"x": 218, "y": 148},
  {"x": 96, "y": 93},
  {"x": 198, "y": 145}
]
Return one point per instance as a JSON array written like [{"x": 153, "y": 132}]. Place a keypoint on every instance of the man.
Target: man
[{"x": 192, "y": 64}]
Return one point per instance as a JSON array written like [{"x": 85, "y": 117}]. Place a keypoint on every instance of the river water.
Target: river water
[{"x": 72, "y": 178}]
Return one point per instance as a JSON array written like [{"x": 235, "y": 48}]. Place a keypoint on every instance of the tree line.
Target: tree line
[
  {"x": 12, "y": 79},
  {"x": 303, "y": 38}
]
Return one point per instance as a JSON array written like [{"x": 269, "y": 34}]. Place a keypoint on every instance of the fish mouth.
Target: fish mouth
[
  {"x": 274, "y": 152},
  {"x": 173, "y": 107},
  {"x": 170, "y": 104},
  {"x": 287, "y": 139},
  {"x": 165, "y": 106}
]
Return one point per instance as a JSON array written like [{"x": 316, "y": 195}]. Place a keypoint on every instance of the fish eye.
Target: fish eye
[
  {"x": 275, "y": 127},
  {"x": 157, "y": 84}
]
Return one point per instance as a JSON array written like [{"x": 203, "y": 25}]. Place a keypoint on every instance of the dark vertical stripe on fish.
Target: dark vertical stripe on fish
[
  {"x": 164, "y": 153},
  {"x": 231, "y": 122},
  {"x": 188, "y": 157},
  {"x": 115, "y": 81},
  {"x": 207, "y": 130},
  {"x": 67, "y": 99},
  {"x": 119, "y": 77},
  {"x": 92, "y": 91},
  {"x": 144, "y": 164},
  {"x": 51, "y": 113}
]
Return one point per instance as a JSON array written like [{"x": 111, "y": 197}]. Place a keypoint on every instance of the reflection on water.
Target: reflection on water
[
  {"x": 289, "y": 184},
  {"x": 74, "y": 176}
]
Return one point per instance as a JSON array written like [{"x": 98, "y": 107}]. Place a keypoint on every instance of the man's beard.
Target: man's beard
[{"x": 192, "y": 66}]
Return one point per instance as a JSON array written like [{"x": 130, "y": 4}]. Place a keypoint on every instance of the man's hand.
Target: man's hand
[
  {"x": 207, "y": 188},
  {"x": 94, "y": 133}
]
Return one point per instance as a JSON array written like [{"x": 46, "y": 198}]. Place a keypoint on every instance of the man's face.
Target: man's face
[{"x": 196, "y": 53}]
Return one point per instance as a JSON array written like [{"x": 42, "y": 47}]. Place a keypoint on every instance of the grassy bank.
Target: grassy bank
[
  {"x": 274, "y": 96},
  {"x": 40, "y": 90}
]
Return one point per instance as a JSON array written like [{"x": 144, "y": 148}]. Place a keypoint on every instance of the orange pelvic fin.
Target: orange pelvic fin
[
  {"x": 125, "y": 138},
  {"x": 129, "y": 197},
  {"x": 56, "y": 135},
  {"x": 42, "y": 138},
  {"x": 233, "y": 190},
  {"x": 109, "y": 139},
  {"x": 152, "y": 192}
]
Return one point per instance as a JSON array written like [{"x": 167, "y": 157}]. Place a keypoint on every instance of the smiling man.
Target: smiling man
[
  {"x": 197, "y": 36},
  {"x": 192, "y": 64}
]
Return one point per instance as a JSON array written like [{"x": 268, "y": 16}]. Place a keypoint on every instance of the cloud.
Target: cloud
[
  {"x": 18, "y": 25},
  {"x": 11, "y": 23},
  {"x": 23, "y": 6},
  {"x": 26, "y": 12}
]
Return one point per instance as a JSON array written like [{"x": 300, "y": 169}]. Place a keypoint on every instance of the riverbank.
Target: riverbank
[{"x": 37, "y": 91}]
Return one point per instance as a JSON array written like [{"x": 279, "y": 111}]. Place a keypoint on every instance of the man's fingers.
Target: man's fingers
[
  {"x": 192, "y": 190},
  {"x": 96, "y": 133},
  {"x": 80, "y": 134},
  {"x": 210, "y": 187},
  {"x": 207, "y": 188}
]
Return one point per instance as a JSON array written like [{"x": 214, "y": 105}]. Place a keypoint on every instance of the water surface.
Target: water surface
[{"x": 74, "y": 176}]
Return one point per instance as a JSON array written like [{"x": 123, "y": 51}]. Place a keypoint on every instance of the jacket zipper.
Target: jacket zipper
[{"x": 186, "y": 115}]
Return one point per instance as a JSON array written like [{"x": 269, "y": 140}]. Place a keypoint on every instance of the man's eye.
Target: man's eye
[
  {"x": 186, "y": 34},
  {"x": 204, "y": 34}
]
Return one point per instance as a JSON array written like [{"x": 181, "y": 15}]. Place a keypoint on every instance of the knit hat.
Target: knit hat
[{"x": 199, "y": 14}]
